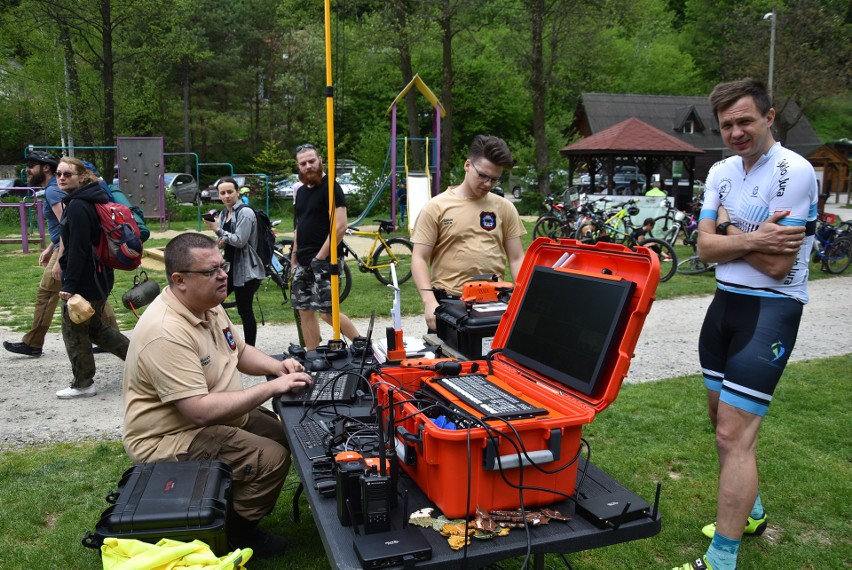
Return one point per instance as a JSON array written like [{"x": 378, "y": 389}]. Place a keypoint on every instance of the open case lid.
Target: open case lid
[{"x": 576, "y": 325}]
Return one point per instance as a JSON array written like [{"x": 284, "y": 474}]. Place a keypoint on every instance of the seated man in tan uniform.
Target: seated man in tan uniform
[
  {"x": 467, "y": 230},
  {"x": 183, "y": 395}
]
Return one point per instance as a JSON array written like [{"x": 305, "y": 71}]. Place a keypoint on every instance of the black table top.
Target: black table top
[{"x": 557, "y": 537}]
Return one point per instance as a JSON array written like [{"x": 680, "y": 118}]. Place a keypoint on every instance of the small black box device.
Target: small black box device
[
  {"x": 392, "y": 548},
  {"x": 609, "y": 509},
  {"x": 350, "y": 468}
]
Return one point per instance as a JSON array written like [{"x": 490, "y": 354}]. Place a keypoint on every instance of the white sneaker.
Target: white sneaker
[{"x": 71, "y": 392}]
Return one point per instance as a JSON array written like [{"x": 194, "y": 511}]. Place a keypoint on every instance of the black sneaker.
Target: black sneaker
[
  {"x": 262, "y": 544},
  {"x": 21, "y": 348},
  {"x": 99, "y": 350}
]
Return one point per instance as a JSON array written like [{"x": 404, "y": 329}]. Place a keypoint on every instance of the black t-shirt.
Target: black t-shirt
[{"x": 312, "y": 221}]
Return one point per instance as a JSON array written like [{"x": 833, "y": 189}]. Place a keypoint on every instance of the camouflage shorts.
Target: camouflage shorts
[{"x": 307, "y": 292}]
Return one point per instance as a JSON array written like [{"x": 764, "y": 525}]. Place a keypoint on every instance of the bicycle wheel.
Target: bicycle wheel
[
  {"x": 836, "y": 257},
  {"x": 344, "y": 281},
  {"x": 398, "y": 252},
  {"x": 666, "y": 227},
  {"x": 548, "y": 226},
  {"x": 692, "y": 266},
  {"x": 666, "y": 254}
]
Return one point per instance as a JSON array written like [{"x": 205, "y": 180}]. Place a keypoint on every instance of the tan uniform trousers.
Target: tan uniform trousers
[{"x": 258, "y": 455}]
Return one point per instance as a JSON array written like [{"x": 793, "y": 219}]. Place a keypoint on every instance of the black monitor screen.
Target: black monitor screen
[{"x": 568, "y": 325}]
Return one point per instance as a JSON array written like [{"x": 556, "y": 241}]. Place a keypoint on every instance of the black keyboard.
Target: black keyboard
[
  {"x": 330, "y": 385},
  {"x": 487, "y": 398},
  {"x": 314, "y": 436}
]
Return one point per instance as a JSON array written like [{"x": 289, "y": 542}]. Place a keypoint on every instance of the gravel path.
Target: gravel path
[{"x": 30, "y": 412}]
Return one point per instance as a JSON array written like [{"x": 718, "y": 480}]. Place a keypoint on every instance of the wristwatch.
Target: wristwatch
[{"x": 722, "y": 229}]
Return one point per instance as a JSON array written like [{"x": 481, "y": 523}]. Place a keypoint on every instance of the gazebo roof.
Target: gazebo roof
[{"x": 631, "y": 137}]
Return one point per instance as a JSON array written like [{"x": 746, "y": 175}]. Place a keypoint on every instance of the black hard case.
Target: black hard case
[
  {"x": 464, "y": 330},
  {"x": 180, "y": 500}
]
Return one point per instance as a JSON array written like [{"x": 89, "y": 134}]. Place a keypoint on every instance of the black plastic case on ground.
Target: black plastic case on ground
[
  {"x": 181, "y": 500},
  {"x": 469, "y": 334}
]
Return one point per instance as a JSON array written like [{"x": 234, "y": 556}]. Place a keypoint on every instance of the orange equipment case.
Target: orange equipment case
[{"x": 461, "y": 470}]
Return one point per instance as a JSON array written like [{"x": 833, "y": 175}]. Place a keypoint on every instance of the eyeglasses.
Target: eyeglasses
[
  {"x": 304, "y": 147},
  {"x": 483, "y": 177},
  {"x": 65, "y": 173},
  {"x": 225, "y": 267}
]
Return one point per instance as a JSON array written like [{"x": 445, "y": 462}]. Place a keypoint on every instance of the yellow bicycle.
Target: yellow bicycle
[{"x": 394, "y": 251}]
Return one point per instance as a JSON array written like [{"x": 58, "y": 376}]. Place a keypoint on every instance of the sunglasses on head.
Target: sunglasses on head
[{"x": 304, "y": 147}]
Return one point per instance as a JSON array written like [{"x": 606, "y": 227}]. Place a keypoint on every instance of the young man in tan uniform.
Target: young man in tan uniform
[{"x": 467, "y": 230}]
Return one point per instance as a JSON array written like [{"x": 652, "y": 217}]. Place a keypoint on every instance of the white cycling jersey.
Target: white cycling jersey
[{"x": 780, "y": 180}]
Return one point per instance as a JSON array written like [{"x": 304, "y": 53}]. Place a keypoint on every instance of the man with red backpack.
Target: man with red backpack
[{"x": 84, "y": 275}]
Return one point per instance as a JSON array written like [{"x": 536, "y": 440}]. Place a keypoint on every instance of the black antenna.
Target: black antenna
[
  {"x": 382, "y": 453},
  {"x": 620, "y": 517},
  {"x": 352, "y": 517},
  {"x": 656, "y": 501},
  {"x": 404, "y": 509},
  {"x": 369, "y": 343}
]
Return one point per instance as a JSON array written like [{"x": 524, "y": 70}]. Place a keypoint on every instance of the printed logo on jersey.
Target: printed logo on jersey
[
  {"x": 782, "y": 179},
  {"x": 206, "y": 360},
  {"x": 724, "y": 188},
  {"x": 447, "y": 222},
  {"x": 778, "y": 350},
  {"x": 229, "y": 337},
  {"x": 754, "y": 191},
  {"x": 488, "y": 221}
]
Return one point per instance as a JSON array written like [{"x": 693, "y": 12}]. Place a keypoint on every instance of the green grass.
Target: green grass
[{"x": 653, "y": 432}]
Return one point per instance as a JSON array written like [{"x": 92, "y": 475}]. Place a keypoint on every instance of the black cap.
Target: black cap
[{"x": 42, "y": 157}]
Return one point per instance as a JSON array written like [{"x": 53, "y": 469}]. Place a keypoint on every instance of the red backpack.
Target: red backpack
[{"x": 120, "y": 246}]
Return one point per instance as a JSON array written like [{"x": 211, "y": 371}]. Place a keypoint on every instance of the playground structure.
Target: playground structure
[{"x": 421, "y": 183}]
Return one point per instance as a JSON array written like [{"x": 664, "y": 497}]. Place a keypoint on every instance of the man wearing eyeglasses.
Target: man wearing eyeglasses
[
  {"x": 183, "y": 395},
  {"x": 311, "y": 288},
  {"x": 467, "y": 230}
]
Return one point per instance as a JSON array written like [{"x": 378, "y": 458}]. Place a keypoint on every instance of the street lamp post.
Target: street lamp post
[{"x": 771, "y": 16}]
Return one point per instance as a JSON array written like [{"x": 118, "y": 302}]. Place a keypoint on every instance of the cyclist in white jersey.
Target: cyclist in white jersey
[{"x": 757, "y": 222}]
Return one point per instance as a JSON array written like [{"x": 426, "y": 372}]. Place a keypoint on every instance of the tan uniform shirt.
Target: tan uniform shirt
[
  {"x": 174, "y": 355},
  {"x": 467, "y": 236}
]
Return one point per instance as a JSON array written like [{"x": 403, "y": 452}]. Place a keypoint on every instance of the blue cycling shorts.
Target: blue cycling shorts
[{"x": 744, "y": 345}]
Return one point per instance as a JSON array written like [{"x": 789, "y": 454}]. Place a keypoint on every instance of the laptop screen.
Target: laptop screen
[{"x": 568, "y": 325}]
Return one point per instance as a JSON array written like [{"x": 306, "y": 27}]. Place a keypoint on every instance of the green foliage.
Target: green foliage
[{"x": 274, "y": 160}]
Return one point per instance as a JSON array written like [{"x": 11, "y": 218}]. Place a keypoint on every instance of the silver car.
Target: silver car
[{"x": 183, "y": 186}]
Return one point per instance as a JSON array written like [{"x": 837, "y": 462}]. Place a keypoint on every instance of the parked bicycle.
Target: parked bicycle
[
  {"x": 693, "y": 265},
  {"x": 674, "y": 223},
  {"x": 832, "y": 247},
  {"x": 557, "y": 221},
  {"x": 618, "y": 227},
  {"x": 384, "y": 253}
]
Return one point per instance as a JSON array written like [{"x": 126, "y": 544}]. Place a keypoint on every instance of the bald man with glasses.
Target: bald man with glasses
[
  {"x": 183, "y": 393},
  {"x": 467, "y": 230}
]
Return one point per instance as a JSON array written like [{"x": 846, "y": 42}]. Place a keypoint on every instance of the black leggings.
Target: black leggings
[{"x": 244, "y": 297}]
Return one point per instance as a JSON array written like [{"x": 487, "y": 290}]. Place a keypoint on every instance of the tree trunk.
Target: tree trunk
[
  {"x": 538, "y": 87},
  {"x": 399, "y": 10},
  {"x": 108, "y": 78},
  {"x": 447, "y": 82}
]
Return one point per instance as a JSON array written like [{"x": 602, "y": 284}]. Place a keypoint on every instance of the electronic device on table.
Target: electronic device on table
[{"x": 332, "y": 386}]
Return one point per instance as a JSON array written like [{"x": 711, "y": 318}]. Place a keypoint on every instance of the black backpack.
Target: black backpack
[{"x": 265, "y": 236}]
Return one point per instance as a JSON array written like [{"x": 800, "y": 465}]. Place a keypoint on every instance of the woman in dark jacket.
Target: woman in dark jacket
[
  {"x": 84, "y": 276},
  {"x": 236, "y": 229}
]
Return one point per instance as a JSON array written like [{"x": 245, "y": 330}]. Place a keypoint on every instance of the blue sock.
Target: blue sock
[
  {"x": 722, "y": 554},
  {"x": 757, "y": 511}
]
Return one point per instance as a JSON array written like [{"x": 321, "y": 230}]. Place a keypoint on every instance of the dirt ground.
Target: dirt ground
[{"x": 30, "y": 413}]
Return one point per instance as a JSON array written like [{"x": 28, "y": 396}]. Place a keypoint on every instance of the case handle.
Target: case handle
[{"x": 512, "y": 461}]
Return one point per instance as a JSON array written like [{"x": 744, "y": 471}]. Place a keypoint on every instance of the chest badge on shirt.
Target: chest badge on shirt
[
  {"x": 229, "y": 337},
  {"x": 488, "y": 221}
]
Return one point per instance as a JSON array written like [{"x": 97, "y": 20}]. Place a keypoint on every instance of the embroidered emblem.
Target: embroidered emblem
[
  {"x": 488, "y": 221},
  {"x": 229, "y": 337}
]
